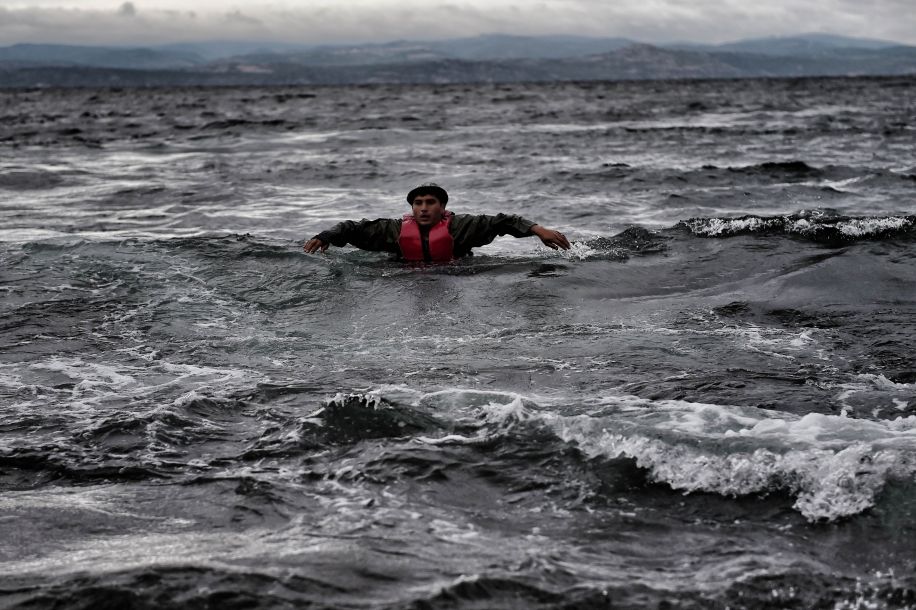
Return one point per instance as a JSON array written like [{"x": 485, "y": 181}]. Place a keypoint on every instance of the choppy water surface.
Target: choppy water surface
[{"x": 709, "y": 402}]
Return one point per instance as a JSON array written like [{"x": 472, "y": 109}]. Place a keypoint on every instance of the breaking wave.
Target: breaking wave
[{"x": 818, "y": 226}]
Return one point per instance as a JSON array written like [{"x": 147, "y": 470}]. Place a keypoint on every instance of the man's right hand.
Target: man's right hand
[{"x": 314, "y": 245}]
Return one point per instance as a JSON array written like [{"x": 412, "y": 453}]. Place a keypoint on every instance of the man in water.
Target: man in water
[{"x": 430, "y": 233}]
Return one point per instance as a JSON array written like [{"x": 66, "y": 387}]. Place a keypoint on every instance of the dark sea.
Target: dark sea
[{"x": 708, "y": 402}]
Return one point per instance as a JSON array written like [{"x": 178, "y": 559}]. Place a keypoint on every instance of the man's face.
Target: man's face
[{"x": 427, "y": 210}]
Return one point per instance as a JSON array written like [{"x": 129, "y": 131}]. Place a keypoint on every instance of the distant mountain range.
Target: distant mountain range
[{"x": 491, "y": 58}]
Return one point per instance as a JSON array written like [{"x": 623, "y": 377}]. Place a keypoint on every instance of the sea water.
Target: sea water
[{"x": 709, "y": 401}]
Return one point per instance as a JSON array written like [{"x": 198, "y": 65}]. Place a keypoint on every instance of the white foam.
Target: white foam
[
  {"x": 717, "y": 226},
  {"x": 24, "y": 235},
  {"x": 852, "y": 227},
  {"x": 783, "y": 343},
  {"x": 89, "y": 374},
  {"x": 835, "y": 466},
  {"x": 579, "y": 250},
  {"x": 875, "y": 393},
  {"x": 101, "y": 386},
  {"x": 858, "y": 227},
  {"x": 103, "y": 500},
  {"x": 187, "y": 398}
]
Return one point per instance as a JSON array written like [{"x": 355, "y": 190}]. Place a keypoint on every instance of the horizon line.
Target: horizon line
[{"x": 204, "y": 41}]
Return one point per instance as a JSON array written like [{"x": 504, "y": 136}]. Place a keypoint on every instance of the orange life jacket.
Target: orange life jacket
[{"x": 437, "y": 246}]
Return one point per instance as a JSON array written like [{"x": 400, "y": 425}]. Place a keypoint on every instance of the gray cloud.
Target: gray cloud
[
  {"x": 236, "y": 16},
  {"x": 317, "y": 22},
  {"x": 96, "y": 27}
]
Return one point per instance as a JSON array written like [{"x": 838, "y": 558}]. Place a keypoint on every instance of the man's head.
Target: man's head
[
  {"x": 428, "y": 189},
  {"x": 427, "y": 202}
]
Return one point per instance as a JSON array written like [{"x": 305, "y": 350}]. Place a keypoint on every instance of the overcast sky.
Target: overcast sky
[{"x": 142, "y": 22}]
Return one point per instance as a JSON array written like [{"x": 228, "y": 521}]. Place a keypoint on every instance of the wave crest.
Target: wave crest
[{"x": 820, "y": 226}]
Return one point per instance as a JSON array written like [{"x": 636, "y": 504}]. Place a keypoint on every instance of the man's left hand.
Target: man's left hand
[{"x": 552, "y": 239}]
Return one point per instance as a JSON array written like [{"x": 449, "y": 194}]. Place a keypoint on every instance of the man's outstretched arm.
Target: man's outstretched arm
[
  {"x": 377, "y": 235},
  {"x": 474, "y": 230}
]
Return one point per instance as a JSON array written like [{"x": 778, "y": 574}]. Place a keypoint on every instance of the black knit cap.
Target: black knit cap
[{"x": 428, "y": 189}]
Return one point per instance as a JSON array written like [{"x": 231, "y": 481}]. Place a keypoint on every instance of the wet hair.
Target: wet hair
[{"x": 428, "y": 189}]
